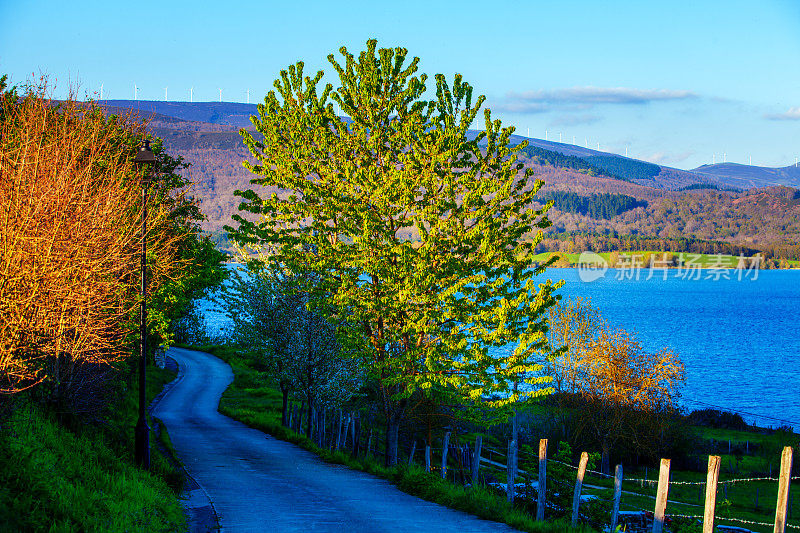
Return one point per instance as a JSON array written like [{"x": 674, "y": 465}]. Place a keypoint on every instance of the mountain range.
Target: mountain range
[{"x": 741, "y": 204}]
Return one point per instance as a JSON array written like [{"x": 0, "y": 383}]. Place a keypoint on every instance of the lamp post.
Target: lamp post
[{"x": 143, "y": 158}]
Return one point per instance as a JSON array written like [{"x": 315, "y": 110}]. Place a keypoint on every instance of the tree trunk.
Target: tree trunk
[
  {"x": 308, "y": 421},
  {"x": 285, "y": 406},
  {"x": 392, "y": 433},
  {"x": 356, "y": 435},
  {"x": 393, "y": 419},
  {"x": 605, "y": 461},
  {"x": 300, "y": 417}
]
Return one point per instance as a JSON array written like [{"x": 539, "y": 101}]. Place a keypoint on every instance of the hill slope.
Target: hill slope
[
  {"x": 646, "y": 201},
  {"x": 745, "y": 176}
]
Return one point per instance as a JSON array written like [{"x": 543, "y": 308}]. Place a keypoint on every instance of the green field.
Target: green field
[{"x": 691, "y": 260}]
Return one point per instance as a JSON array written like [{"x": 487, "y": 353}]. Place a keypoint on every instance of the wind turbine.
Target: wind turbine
[
  {"x": 626, "y": 151},
  {"x": 135, "y": 92},
  {"x": 248, "y": 96},
  {"x": 559, "y": 136},
  {"x": 191, "y": 94},
  {"x": 529, "y": 133},
  {"x": 573, "y": 139},
  {"x": 101, "y": 91},
  {"x": 165, "y": 93},
  {"x": 545, "y": 135},
  {"x": 220, "y": 95},
  {"x": 724, "y": 157}
]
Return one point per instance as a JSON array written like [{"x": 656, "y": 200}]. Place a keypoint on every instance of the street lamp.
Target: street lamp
[{"x": 143, "y": 158}]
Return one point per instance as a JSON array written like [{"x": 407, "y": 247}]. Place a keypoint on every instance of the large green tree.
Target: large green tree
[{"x": 416, "y": 234}]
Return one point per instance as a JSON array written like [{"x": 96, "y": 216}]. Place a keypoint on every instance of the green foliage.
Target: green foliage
[
  {"x": 199, "y": 263},
  {"x": 627, "y": 169},
  {"x": 605, "y": 205},
  {"x": 427, "y": 311}
]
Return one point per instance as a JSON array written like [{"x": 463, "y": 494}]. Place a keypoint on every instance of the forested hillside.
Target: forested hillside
[{"x": 593, "y": 194}]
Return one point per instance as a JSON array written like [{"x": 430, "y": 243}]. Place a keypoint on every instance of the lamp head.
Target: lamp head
[
  {"x": 143, "y": 157},
  {"x": 145, "y": 154}
]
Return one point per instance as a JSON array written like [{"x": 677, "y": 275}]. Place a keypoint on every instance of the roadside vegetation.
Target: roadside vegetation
[
  {"x": 252, "y": 400},
  {"x": 70, "y": 202},
  {"x": 61, "y": 476}
]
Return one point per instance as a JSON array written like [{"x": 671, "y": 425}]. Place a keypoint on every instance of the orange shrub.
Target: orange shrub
[{"x": 69, "y": 237}]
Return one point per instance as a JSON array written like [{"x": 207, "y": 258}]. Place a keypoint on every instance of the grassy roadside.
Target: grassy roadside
[
  {"x": 84, "y": 478},
  {"x": 252, "y": 402}
]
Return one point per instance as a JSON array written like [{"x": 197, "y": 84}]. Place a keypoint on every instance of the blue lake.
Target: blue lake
[{"x": 739, "y": 338}]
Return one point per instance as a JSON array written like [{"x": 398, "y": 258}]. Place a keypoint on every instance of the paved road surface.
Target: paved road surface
[{"x": 259, "y": 483}]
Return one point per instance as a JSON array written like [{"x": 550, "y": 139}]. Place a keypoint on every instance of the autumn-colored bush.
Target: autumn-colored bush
[
  {"x": 70, "y": 202},
  {"x": 612, "y": 393}
]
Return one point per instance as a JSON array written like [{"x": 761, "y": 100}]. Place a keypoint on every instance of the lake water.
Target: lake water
[{"x": 739, "y": 338}]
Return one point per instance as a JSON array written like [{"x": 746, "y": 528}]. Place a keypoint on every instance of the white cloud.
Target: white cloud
[
  {"x": 599, "y": 95},
  {"x": 516, "y": 106},
  {"x": 792, "y": 114},
  {"x": 667, "y": 158}
]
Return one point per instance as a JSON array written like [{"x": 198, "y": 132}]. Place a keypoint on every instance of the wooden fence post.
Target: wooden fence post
[
  {"x": 711, "y": 493},
  {"x": 783, "y": 490},
  {"x": 411, "y": 455},
  {"x": 576, "y": 497},
  {"x": 445, "y": 445},
  {"x": 617, "y": 496},
  {"x": 661, "y": 496},
  {"x": 542, "y": 479},
  {"x": 476, "y": 459},
  {"x": 511, "y": 470},
  {"x": 427, "y": 457}
]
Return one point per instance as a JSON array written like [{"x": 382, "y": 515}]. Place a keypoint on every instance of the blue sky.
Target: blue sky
[{"x": 678, "y": 83}]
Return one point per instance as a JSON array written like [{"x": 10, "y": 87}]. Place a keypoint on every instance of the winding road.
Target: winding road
[{"x": 259, "y": 483}]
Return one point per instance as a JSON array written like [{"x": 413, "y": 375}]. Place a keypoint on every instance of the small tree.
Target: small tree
[
  {"x": 616, "y": 389},
  {"x": 318, "y": 368},
  {"x": 621, "y": 381},
  {"x": 296, "y": 347},
  {"x": 413, "y": 231},
  {"x": 574, "y": 324}
]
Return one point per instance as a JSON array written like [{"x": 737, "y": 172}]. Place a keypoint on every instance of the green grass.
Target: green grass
[
  {"x": 62, "y": 480},
  {"x": 257, "y": 405}
]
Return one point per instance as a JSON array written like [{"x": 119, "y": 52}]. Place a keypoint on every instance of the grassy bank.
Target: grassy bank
[
  {"x": 249, "y": 400},
  {"x": 692, "y": 260},
  {"x": 83, "y": 478}
]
